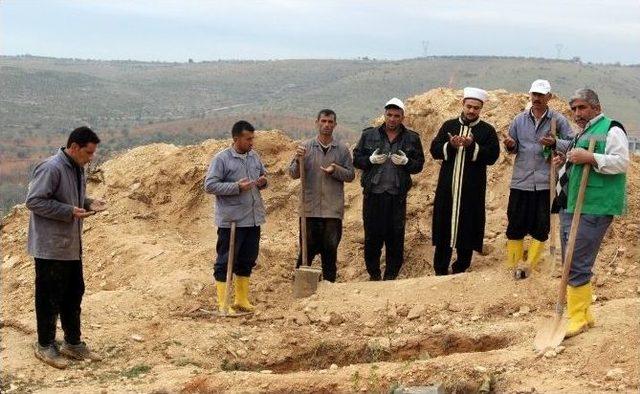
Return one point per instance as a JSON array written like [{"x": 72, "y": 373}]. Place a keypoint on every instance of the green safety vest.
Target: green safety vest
[{"x": 605, "y": 194}]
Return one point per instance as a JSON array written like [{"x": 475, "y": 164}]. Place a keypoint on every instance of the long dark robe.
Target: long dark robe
[{"x": 459, "y": 206}]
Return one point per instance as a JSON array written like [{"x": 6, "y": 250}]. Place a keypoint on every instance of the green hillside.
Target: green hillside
[{"x": 44, "y": 98}]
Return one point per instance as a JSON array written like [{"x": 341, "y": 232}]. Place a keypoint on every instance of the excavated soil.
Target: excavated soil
[{"x": 148, "y": 272}]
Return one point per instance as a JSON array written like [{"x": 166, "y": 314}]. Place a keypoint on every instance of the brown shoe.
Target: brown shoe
[
  {"x": 78, "y": 352},
  {"x": 50, "y": 355}
]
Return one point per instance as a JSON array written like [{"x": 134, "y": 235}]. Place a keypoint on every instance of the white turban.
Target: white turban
[{"x": 475, "y": 93}]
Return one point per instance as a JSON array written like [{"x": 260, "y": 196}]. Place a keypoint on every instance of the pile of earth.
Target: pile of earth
[{"x": 148, "y": 270}]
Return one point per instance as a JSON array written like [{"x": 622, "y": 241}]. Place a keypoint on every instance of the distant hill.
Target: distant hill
[{"x": 44, "y": 98}]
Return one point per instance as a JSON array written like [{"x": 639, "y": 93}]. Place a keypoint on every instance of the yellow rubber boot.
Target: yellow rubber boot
[
  {"x": 221, "y": 290},
  {"x": 591, "y": 321},
  {"x": 242, "y": 295},
  {"x": 535, "y": 252},
  {"x": 515, "y": 251},
  {"x": 578, "y": 301}
]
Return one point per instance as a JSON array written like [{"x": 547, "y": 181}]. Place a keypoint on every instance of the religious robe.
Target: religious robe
[{"x": 459, "y": 207}]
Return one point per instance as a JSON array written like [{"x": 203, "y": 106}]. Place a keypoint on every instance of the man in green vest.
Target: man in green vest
[{"x": 605, "y": 197}]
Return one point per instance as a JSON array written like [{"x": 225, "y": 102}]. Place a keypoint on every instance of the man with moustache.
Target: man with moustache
[
  {"x": 387, "y": 155},
  {"x": 466, "y": 145},
  {"x": 328, "y": 165},
  {"x": 530, "y": 140},
  {"x": 236, "y": 176},
  {"x": 58, "y": 204},
  {"x": 605, "y": 197}
]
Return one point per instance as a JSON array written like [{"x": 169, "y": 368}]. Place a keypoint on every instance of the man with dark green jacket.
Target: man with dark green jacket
[
  {"x": 605, "y": 197},
  {"x": 387, "y": 155}
]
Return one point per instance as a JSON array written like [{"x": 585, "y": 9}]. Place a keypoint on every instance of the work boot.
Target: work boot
[
  {"x": 591, "y": 321},
  {"x": 50, "y": 355},
  {"x": 515, "y": 251},
  {"x": 534, "y": 253},
  {"x": 221, "y": 290},
  {"x": 578, "y": 300},
  {"x": 242, "y": 294},
  {"x": 78, "y": 352}
]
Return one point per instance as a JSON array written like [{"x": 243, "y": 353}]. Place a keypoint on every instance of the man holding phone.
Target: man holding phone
[
  {"x": 58, "y": 204},
  {"x": 531, "y": 141}
]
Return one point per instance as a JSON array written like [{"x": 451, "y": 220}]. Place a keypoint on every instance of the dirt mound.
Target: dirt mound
[{"x": 148, "y": 270}]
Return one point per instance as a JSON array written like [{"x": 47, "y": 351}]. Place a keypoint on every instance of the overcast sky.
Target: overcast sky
[{"x": 176, "y": 30}]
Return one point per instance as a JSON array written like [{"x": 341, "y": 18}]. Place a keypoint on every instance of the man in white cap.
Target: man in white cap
[
  {"x": 466, "y": 145},
  {"x": 387, "y": 155},
  {"x": 531, "y": 140}
]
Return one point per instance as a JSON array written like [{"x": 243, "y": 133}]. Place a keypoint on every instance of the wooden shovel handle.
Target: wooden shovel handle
[
  {"x": 302, "y": 213},
  {"x": 230, "y": 259},
  {"x": 562, "y": 291},
  {"x": 553, "y": 178},
  {"x": 553, "y": 175}
]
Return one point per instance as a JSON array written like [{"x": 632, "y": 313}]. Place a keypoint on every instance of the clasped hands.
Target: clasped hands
[{"x": 575, "y": 156}]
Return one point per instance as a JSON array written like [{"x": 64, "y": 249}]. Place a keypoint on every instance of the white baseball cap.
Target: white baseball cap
[
  {"x": 475, "y": 93},
  {"x": 541, "y": 86},
  {"x": 395, "y": 102}
]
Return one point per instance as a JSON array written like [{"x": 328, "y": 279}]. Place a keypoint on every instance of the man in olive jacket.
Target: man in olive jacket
[
  {"x": 328, "y": 165},
  {"x": 58, "y": 204},
  {"x": 387, "y": 155}
]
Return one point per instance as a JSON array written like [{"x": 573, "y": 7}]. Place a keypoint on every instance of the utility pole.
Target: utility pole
[
  {"x": 559, "y": 48},
  {"x": 425, "y": 48}
]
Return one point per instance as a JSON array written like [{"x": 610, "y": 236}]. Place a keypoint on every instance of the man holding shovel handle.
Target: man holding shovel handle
[
  {"x": 532, "y": 136},
  {"x": 236, "y": 176},
  {"x": 327, "y": 166},
  {"x": 604, "y": 197}
]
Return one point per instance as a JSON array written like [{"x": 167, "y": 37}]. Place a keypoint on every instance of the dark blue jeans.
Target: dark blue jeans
[
  {"x": 59, "y": 290},
  {"x": 246, "y": 251},
  {"x": 591, "y": 231}
]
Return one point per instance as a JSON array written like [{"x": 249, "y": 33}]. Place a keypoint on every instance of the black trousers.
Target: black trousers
[
  {"x": 59, "y": 290},
  {"x": 384, "y": 217},
  {"x": 323, "y": 238},
  {"x": 246, "y": 251},
  {"x": 528, "y": 212},
  {"x": 442, "y": 258}
]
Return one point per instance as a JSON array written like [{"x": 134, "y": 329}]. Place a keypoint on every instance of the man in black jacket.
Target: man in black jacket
[{"x": 387, "y": 155}]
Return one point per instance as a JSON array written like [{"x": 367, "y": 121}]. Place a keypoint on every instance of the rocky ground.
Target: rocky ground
[{"x": 148, "y": 271}]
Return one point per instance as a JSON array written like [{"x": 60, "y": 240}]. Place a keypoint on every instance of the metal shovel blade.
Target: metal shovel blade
[
  {"x": 305, "y": 281},
  {"x": 550, "y": 334}
]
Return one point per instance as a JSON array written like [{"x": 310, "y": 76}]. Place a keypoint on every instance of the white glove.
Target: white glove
[
  {"x": 377, "y": 158},
  {"x": 399, "y": 158}
]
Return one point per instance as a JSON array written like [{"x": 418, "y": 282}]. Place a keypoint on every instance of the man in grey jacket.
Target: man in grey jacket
[
  {"x": 236, "y": 176},
  {"x": 327, "y": 165},
  {"x": 58, "y": 204},
  {"x": 529, "y": 206}
]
